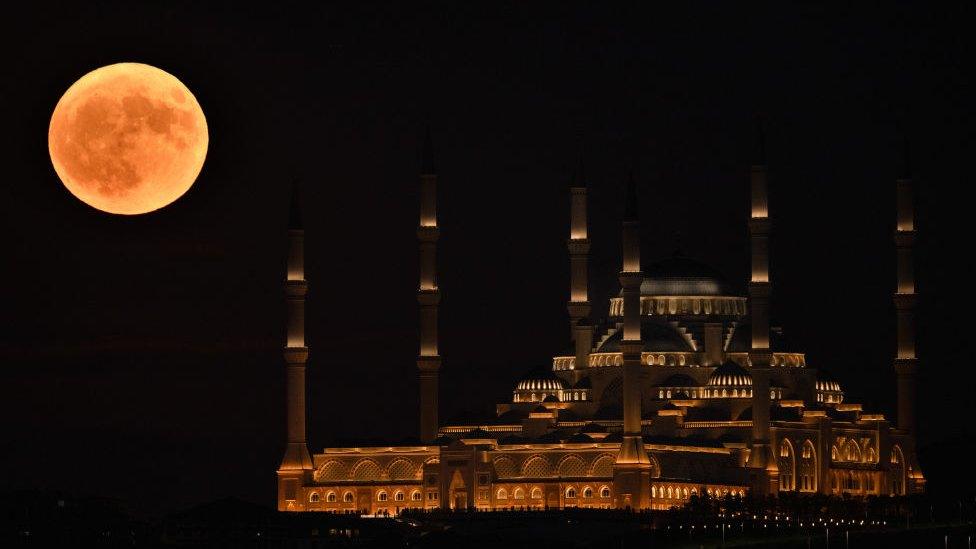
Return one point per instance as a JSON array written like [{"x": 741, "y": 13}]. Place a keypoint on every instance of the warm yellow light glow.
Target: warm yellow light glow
[
  {"x": 759, "y": 212},
  {"x": 760, "y": 277},
  {"x": 577, "y": 234},
  {"x": 128, "y": 138}
]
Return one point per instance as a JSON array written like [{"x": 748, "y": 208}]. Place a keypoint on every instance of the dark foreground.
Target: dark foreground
[{"x": 45, "y": 520}]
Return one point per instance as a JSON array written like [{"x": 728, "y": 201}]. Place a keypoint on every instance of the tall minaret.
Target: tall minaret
[
  {"x": 906, "y": 363},
  {"x": 631, "y": 474},
  {"x": 760, "y": 289},
  {"x": 296, "y": 465},
  {"x": 579, "y": 253},
  {"x": 428, "y": 294}
]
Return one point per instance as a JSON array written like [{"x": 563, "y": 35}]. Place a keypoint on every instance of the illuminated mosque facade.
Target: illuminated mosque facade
[{"x": 683, "y": 390}]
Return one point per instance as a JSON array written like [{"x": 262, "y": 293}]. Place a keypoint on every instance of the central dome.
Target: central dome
[{"x": 679, "y": 275}]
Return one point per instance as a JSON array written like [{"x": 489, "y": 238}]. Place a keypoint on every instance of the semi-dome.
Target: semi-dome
[
  {"x": 679, "y": 275},
  {"x": 656, "y": 336},
  {"x": 730, "y": 374}
]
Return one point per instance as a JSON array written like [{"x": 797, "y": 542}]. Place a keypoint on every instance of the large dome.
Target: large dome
[{"x": 679, "y": 275}]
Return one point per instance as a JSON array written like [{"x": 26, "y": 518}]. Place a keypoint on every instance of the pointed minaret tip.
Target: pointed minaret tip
[
  {"x": 631, "y": 212},
  {"x": 906, "y": 169},
  {"x": 760, "y": 152},
  {"x": 427, "y": 155},
  {"x": 295, "y": 209}
]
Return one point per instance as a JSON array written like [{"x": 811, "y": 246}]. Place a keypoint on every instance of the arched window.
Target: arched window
[
  {"x": 605, "y": 492},
  {"x": 571, "y": 492},
  {"x": 381, "y": 496},
  {"x": 587, "y": 492},
  {"x": 833, "y": 453},
  {"x": 313, "y": 497},
  {"x": 852, "y": 451},
  {"x": 536, "y": 467},
  {"x": 501, "y": 494},
  {"x": 787, "y": 466},
  {"x": 808, "y": 467},
  {"x": 518, "y": 493},
  {"x": 685, "y": 492},
  {"x": 653, "y": 491},
  {"x": 347, "y": 497},
  {"x": 330, "y": 497},
  {"x": 602, "y": 466},
  {"x": 536, "y": 493},
  {"x": 897, "y": 471},
  {"x": 398, "y": 496},
  {"x": 415, "y": 495}
]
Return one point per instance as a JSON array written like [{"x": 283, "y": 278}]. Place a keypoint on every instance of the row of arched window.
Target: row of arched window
[
  {"x": 850, "y": 450},
  {"x": 693, "y": 392},
  {"x": 564, "y": 395},
  {"x": 536, "y": 493},
  {"x": 684, "y": 492},
  {"x": 683, "y": 305},
  {"x": 790, "y": 472},
  {"x": 369, "y": 469},
  {"x": 381, "y": 495}
]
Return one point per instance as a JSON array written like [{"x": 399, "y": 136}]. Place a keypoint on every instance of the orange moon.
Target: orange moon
[{"x": 128, "y": 138}]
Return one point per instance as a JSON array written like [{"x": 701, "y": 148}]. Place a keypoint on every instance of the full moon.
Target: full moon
[{"x": 128, "y": 138}]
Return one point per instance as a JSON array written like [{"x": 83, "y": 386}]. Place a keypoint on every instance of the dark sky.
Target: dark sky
[{"x": 141, "y": 355}]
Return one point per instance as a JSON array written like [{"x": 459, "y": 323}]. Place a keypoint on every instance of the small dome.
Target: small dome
[
  {"x": 679, "y": 380},
  {"x": 540, "y": 379},
  {"x": 730, "y": 374}
]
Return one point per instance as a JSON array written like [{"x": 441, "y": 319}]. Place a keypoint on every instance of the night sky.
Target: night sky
[{"x": 140, "y": 357}]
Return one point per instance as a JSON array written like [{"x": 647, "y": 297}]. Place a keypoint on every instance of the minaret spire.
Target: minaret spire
[
  {"x": 428, "y": 294},
  {"x": 906, "y": 363},
  {"x": 760, "y": 290},
  {"x": 579, "y": 252},
  {"x": 632, "y": 469},
  {"x": 296, "y": 466}
]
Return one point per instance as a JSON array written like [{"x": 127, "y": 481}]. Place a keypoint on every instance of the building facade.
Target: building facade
[{"x": 684, "y": 389}]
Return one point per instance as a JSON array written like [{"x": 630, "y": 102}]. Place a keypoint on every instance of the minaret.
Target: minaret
[
  {"x": 760, "y": 289},
  {"x": 906, "y": 363},
  {"x": 296, "y": 465},
  {"x": 631, "y": 473},
  {"x": 428, "y": 294},
  {"x": 579, "y": 252}
]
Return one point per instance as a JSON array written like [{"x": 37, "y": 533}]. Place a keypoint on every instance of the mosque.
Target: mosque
[{"x": 684, "y": 389}]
